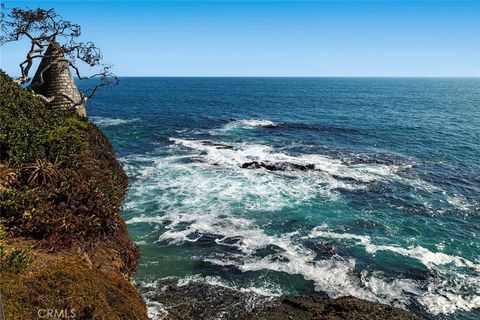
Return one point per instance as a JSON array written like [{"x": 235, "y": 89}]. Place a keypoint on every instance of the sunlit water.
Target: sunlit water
[{"x": 372, "y": 187}]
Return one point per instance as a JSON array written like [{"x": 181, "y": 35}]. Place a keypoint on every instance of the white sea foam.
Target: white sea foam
[
  {"x": 251, "y": 123},
  {"x": 331, "y": 173},
  {"x": 461, "y": 203},
  {"x": 334, "y": 169},
  {"x": 425, "y": 256},
  {"x": 210, "y": 197},
  {"x": 110, "y": 122},
  {"x": 446, "y": 302},
  {"x": 443, "y": 297},
  {"x": 144, "y": 219},
  {"x": 263, "y": 289},
  {"x": 245, "y": 124},
  {"x": 156, "y": 310},
  {"x": 336, "y": 276},
  {"x": 187, "y": 187}
]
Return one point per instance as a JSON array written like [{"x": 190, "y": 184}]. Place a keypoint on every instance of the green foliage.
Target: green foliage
[
  {"x": 18, "y": 259},
  {"x": 14, "y": 260},
  {"x": 30, "y": 130},
  {"x": 64, "y": 183}
]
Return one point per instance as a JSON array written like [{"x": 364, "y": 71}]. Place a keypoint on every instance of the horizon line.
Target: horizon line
[
  {"x": 286, "y": 76},
  {"x": 280, "y": 76}
]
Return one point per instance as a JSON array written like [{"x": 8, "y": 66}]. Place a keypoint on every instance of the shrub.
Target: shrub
[
  {"x": 64, "y": 183},
  {"x": 17, "y": 260},
  {"x": 30, "y": 130},
  {"x": 14, "y": 260},
  {"x": 66, "y": 202}
]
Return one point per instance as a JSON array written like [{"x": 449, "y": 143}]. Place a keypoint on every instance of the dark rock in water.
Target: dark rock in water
[
  {"x": 268, "y": 250},
  {"x": 282, "y": 166},
  {"x": 203, "y": 239},
  {"x": 204, "y": 301},
  {"x": 325, "y": 249},
  {"x": 302, "y": 167},
  {"x": 258, "y": 165},
  {"x": 344, "y": 308},
  {"x": 270, "y": 126},
  {"x": 253, "y": 164},
  {"x": 217, "y": 145},
  {"x": 230, "y": 240}
]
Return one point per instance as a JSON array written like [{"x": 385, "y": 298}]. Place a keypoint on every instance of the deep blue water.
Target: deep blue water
[{"x": 316, "y": 186}]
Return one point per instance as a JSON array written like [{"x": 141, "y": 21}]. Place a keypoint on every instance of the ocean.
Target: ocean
[{"x": 367, "y": 187}]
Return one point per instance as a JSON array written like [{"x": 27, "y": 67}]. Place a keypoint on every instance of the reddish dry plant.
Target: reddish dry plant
[{"x": 44, "y": 172}]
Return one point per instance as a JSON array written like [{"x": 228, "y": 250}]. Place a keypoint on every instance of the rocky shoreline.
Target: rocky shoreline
[{"x": 198, "y": 300}]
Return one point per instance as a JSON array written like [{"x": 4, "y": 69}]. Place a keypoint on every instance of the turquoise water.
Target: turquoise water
[{"x": 315, "y": 186}]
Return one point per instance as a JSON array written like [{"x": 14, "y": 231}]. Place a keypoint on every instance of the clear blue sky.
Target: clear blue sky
[{"x": 288, "y": 38}]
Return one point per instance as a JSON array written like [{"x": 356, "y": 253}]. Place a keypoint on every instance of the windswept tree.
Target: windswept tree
[{"x": 54, "y": 41}]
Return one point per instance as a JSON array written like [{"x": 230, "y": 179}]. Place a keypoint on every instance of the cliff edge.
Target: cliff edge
[{"x": 64, "y": 250}]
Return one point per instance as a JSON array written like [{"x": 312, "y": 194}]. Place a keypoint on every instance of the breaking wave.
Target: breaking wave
[
  {"x": 251, "y": 123},
  {"x": 202, "y": 192},
  {"x": 110, "y": 122},
  {"x": 235, "y": 156},
  {"x": 336, "y": 276},
  {"x": 424, "y": 255}
]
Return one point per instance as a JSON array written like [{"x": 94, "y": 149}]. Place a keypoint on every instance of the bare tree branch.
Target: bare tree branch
[{"x": 44, "y": 28}]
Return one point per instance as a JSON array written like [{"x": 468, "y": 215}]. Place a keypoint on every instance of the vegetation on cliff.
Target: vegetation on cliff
[
  {"x": 60, "y": 180},
  {"x": 63, "y": 244}
]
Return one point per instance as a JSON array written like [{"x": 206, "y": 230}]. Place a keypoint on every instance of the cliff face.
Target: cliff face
[{"x": 64, "y": 250}]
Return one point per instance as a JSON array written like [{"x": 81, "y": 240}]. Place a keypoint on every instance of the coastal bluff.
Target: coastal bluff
[{"x": 64, "y": 249}]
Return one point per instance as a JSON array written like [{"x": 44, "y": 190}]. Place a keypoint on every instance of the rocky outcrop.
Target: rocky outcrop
[
  {"x": 279, "y": 166},
  {"x": 208, "y": 302}
]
